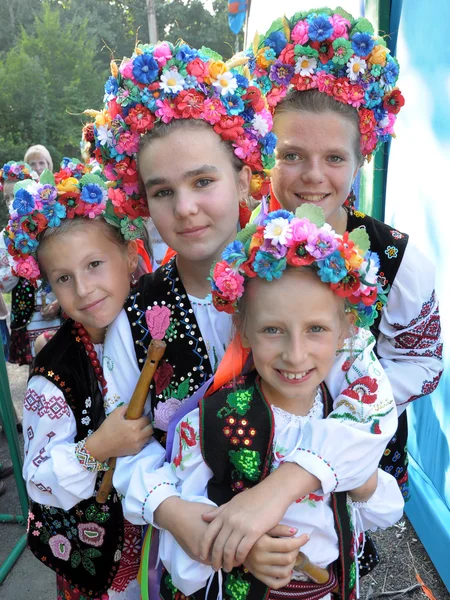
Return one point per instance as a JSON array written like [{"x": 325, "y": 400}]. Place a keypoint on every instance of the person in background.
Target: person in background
[{"x": 38, "y": 157}]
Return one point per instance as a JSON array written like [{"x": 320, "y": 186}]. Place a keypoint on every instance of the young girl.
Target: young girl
[
  {"x": 58, "y": 232},
  {"x": 249, "y": 428},
  {"x": 204, "y": 130},
  {"x": 330, "y": 82}
]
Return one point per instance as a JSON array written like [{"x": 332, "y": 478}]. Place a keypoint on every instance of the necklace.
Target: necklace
[{"x": 83, "y": 337}]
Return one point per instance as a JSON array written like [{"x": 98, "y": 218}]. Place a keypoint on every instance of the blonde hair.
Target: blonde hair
[{"x": 39, "y": 149}]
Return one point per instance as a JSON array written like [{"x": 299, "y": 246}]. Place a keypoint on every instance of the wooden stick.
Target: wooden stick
[
  {"x": 135, "y": 408},
  {"x": 314, "y": 572}
]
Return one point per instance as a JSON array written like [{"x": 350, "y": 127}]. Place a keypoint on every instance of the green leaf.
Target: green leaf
[
  {"x": 245, "y": 234},
  {"x": 47, "y": 178},
  {"x": 75, "y": 560},
  {"x": 88, "y": 565},
  {"x": 92, "y": 178},
  {"x": 112, "y": 220},
  {"x": 363, "y": 25},
  {"x": 182, "y": 390},
  {"x": 92, "y": 553},
  {"x": 343, "y": 13},
  {"x": 23, "y": 184},
  {"x": 208, "y": 53},
  {"x": 313, "y": 213},
  {"x": 360, "y": 237}
]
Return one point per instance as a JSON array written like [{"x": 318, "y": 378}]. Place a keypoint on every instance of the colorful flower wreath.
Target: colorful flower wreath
[
  {"x": 72, "y": 192},
  {"x": 338, "y": 55},
  {"x": 165, "y": 82},
  {"x": 280, "y": 240},
  {"x": 16, "y": 171}
]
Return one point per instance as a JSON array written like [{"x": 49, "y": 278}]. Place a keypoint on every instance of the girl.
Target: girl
[
  {"x": 330, "y": 82},
  {"x": 58, "y": 232},
  {"x": 251, "y": 427},
  {"x": 38, "y": 157},
  {"x": 204, "y": 130}
]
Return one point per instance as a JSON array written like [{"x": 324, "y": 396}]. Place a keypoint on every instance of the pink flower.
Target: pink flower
[
  {"x": 27, "y": 268},
  {"x": 158, "y": 320},
  {"x": 325, "y": 82},
  {"x": 340, "y": 27},
  {"x": 368, "y": 142},
  {"x": 245, "y": 147},
  {"x": 163, "y": 413},
  {"x": 166, "y": 110},
  {"x": 38, "y": 524},
  {"x": 126, "y": 70},
  {"x": 60, "y": 546},
  {"x": 36, "y": 532},
  {"x": 300, "y": 33},
  {"x": 388, "y": 124},
  {"x": 128, "y": 143},
  {"x": 275, "y": 95},
  {"x": 213, "y": 109},
  {"x": 301, "y": 229},
  {"x": 230, "y": 283},
  {"x": 162, "y": 53},
  {"x": 93, "y": 210},
  {"x": 355, "y": 96},
  {"x": 131, "y": 187},
  {"x": 117, "y": 197},
  {"x": 91, "y": 533}
]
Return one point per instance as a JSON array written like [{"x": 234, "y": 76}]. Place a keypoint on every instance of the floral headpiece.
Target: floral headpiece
[
  {"x": 282, "y": 239},
  {"x": 72, "y": 192},
  {"x": 16, "y": 171},
  {"x": 165, "y": 82},
  {"x": 338, "y": 55}
]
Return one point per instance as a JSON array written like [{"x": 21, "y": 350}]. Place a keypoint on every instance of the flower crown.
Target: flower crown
[
  {"x": 16, "y": 171},
  {"x": 72, "y": 192},
  {"x": 164, "y": 82},
  {"x": 282, "y": 239},
  {"x": 338, "y": 55}
]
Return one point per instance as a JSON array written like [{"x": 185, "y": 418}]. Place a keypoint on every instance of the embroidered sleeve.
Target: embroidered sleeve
[
  {"x": 86, "y": 460},
  {"x": 52, "y": 471},
  {"x": 7, "y": 280},
  {"x": 344, "y": 449},
  {"x": 410, "y": 345}
]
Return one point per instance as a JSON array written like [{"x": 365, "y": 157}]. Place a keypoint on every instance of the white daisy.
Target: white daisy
[
  {"x": 260, "y": 125},
  {"x": 105, "y": 135},
  {"x": 226, "y": 83},
  {"x": 305, "y": 65},
  {"x": 172, "y": 81},
  {"x": 278, "y": 230},
  {"x": 356, "y": 66}
]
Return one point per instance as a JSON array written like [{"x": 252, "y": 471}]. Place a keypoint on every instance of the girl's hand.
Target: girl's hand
[
  {"x": 272, "y": 558},
  {"x": 118, "y": 436},
  {"x": 236, "y": 526},
  {"x": 184, "y": 521},
  {"x": 364, "y": 492}
]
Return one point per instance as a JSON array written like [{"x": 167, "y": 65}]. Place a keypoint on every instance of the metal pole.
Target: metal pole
[{"x": 151, "y": 19}]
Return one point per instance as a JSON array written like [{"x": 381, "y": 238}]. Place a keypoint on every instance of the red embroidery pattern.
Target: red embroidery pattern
[
  {"x": 427, "y": 387},
  {"x": 363, "y": 389},
  {"x": 237, "y": 431},
  {"x": 54, "y": 407},
  {"x": 422, "y": 336},
  {"x": 130, "y": 559},
  {"x": 424, "y": 312}
]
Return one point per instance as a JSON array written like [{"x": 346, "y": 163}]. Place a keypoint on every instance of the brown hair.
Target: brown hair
[{"x": 316, "y": 102}]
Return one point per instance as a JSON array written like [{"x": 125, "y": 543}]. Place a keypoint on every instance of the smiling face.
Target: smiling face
[
  {"x": 315, "y": 162},
  {"x": 294, "y": 327},
  {"x": 193, "y": 192},
  {"x": 89, "y": 273}
]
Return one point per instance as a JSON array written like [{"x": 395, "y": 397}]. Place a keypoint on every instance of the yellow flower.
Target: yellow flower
[
  {"x": 216, "y": 69},
  {"x": 359, "y": 214},
  {"x": 262, "y": 60},
  {"x": 114, "y": 68},
  {"x": 68, "y": 185},
  {"x": 378, "y": 56},
  {"x": 354, "y": 262},
  {"x": 256, "y": 183}
]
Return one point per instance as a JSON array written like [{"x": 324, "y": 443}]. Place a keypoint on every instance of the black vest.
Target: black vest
[
  {"x": 228, "y": 418},
  {"x": 82, "y": 544}
]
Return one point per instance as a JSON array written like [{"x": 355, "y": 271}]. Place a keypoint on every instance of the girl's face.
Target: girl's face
[
  {"x": 193, "y": 192},
  {"x": 90, "y": 275},
  {"x": 294, "y": 327},
  {"x": 8, "y": 192},
  {"x": 315, "y": 161},
  {"x": 38, "y": 163}
]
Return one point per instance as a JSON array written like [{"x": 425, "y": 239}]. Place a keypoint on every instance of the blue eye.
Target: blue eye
[
  {"x": 316, "y": 329},
  {"x": 271, "y": 330},
  {"x": 291, "y": 157},
  {"x": 204, "y": 182}
]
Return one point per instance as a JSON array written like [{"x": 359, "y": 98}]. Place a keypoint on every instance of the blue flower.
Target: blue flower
[
  {"x": 186, "y": 53},
  {"x": 373, "y": 94},
  {"x": 190, "y": 82},
  {"x": 92, "y": 193},
  {"x": 269, "y": 54},
  {"x": 23, "y": 202},
  {"x": 233, "y": 104},
  {"x": 242, "y": 81},
  {"x": 148, "y": 100},
  {"x": 267, "y": 266},
  {"x": 332, "y": 268},
  {"x": 320, "y": 28},
  {"x": 234, "y": 251},
  {"x": 276, "y": 40},
  {"x": 24, "y": 243},
  {"x": 269, "y": 142},
  {"x": 379, "y": 113},
  {"x": 145, "y": 68},
  {"x": 362, "y": 44},
  {"x": 65, "y": 161},
  {"x": 54, "y": 213},
  {"x": 111, "y": 88},
  {"x": 277, "y": 214},
  {"x": 265, "y": 84},
  {"x": 390, "y": 72}
]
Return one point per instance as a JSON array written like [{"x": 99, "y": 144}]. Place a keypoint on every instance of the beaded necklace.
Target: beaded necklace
[{"x": 81, "y": 335}]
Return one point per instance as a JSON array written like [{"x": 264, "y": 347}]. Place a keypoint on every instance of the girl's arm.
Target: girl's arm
[
  {"x": 55, "y": 469},
  {"x": 335, "y": 454},
  {"x": 410, "y": 344},
  {"x": 7, "y": 280}
]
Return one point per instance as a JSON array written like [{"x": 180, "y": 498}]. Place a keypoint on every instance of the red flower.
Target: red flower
[
  {"x": 126, "y": 169},
  {"x": 367, "y": 120},
  {"x": 190, "y": 104},
  {"x": 394, "y": 101},
  {"x": 177, "y": 460},
  {"x": 347, "y": 286},
  {"x": 88, "y": 132},
  {"x": 230, "y": 128},
  {"x": 114, "y": 109},
  {"x": 199, "y": 69},
  {"x": 62, "y": 174},
  {"x": 363, "y": 389},
  {"x": 70, "y": 201},
  {"x": 221, "y": 303},
  {"x": 187, "y": 433},
  {"x": 297, "y": 256},
  {"x": 287, "y": 55},
  {"x": 163, "y": 376},
  {"x": 325, "y": 50},
  {"x": 345, "y": 246},
  {"x": 341, "y": 90},
  {"x": 34, "y": 224},
  {"x": 303, "y": 83},
  {"x": 254, "y": 98},
  {"x": 140, "y": 119}
]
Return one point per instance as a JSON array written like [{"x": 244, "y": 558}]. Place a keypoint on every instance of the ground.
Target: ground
[{"x": 402, "y": 554}]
